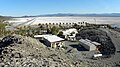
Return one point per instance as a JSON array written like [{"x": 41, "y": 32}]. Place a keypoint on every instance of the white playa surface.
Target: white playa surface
[{"x": 43, "y": 20}]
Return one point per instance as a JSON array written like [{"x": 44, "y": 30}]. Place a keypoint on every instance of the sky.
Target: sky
[{"x": 41, "y": 7}]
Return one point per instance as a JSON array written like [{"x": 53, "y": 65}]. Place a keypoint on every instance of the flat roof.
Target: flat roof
[
  {"x": 50, "y": 38},
  {"x": 86, "y": 42},
  {"x": 38, "y": 36},
  {"x": 96, "y": 43},
  {"x": 68, "y": 31}
]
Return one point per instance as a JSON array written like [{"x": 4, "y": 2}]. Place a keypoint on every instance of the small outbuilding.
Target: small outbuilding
[
  {"x": 51, "y": 40},
  {"x": 87, "y": 44}
]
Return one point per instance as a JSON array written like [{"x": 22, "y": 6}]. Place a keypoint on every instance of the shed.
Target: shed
[
  {"x": 51, "y": 40},
  {"x": 87, "y": 44}
]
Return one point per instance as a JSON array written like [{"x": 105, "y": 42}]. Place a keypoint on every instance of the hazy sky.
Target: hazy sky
[{"x": 38, "y": 7}]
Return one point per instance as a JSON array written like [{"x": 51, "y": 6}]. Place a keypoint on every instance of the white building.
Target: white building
[
  {"x": 70, "y": 33},
  {"x": 87, "y": 44},
  {"x": 51, "y": 40}
]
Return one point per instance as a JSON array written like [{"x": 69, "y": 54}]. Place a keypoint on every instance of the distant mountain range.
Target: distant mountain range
[
  {"x": 89, "y": 15},
  {"x": 70, "y": 14}
]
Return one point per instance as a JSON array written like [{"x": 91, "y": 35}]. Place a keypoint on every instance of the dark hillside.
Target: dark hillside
[{"x": 100, "y": 37}]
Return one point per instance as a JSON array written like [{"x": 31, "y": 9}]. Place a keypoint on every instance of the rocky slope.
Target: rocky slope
[{"x": 21, "y": 51}]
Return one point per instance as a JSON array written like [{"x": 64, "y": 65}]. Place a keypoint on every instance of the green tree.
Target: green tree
[
  {"x": 60, "y": 33},
  {"x": 2, "y": 25},
  {"x": 54, "y": 30}
]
